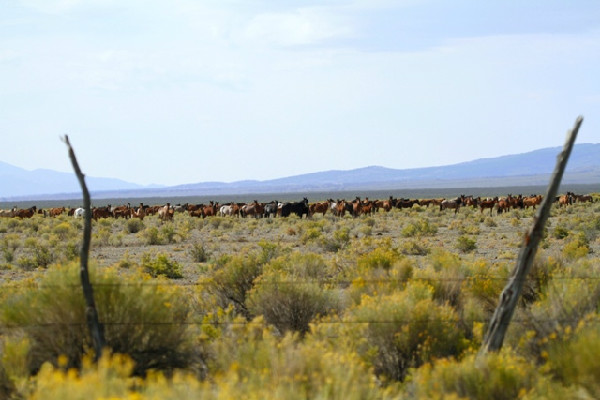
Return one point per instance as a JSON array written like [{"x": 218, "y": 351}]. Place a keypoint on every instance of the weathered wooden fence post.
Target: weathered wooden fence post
[
  {"x": 96, "y": 329},
  {"x": 494, "y": 337}
]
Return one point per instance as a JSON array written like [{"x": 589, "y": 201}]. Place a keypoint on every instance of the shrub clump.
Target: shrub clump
[
  {"x": 230, "y": 280},
  {"x": 291, "y": 292},
  {"x": 134, "y": 225},
  {"x": 421, "y": 227},
  {"x": 145, "y": 321},
  {"x": 500, "y": 376},
  {"x": 199, "y": 253},
  {"x": 405, "y": 330},
  {"x": 465, "y": 244},
  {"x": 161, "y": 266}
]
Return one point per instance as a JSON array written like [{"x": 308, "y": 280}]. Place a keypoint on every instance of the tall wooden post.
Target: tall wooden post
[
  {"x": 91, "y": 315},
  {"x": 510, "y": 295}
]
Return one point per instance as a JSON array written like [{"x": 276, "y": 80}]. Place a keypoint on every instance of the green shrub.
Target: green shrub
[
  {"x": 380, "y": 282},
  {"x": 64, "y": 230},
  {"x": 337, "y": 241},
  {"x": 101, "y": 237},
  {"x": 310, "y": 234},
  {"x": 485, "y": 283},
  {"x": 569, "y": 297},
  {"x": 404, "y": 330},
  {"x": 151, "y": 236},
  {"x": 420, "y": 227},
  {"x": 10, "y": 243},
  {"x": 289, "y": 305},
  {"x": 146, "y": 321},
  {"x": 379, "y": 258},
  {"x": 578, "y": 247},
  {"x": 573, "y": 357},
  {"x": 253, "y": 362},
  {"x": 304, "y": 266},
  {"x": 269, "y": 251},
  {"x": 231, "y": 279},
  {"x": 291, "y": 292},
  {"x": 414, "y": 247},
  {"x": 560, "y": 232},
  {"x": 161, "y": 266},
  {"x": 134, "y": 225},
  {"x": 199, "y": 253},
  {"x": 490, "y": 222},
  {"x": 42, "y": 257},
  {"x": 168, "y": 233},
  {"x": 499, "y": 376},
  {"x": 465, "y": 244}
]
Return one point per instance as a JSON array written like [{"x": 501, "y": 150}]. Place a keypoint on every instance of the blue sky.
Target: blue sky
[{"x": 191, "y": 91}]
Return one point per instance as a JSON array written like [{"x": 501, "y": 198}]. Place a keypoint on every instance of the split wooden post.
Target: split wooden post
[
  {"x": 494, "y": 337},
  {"x": 91, "y": 315}
]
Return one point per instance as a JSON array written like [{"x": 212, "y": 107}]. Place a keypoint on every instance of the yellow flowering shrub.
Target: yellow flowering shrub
[
  {"x": 140, "y": 316},
  {"x": 403, "y": 330},
  {"x": 499, "y": 376}
]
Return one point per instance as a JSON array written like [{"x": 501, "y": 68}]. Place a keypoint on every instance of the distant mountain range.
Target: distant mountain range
[{"x": 526, "y": 169}]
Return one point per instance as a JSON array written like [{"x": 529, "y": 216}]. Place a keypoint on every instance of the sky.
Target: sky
[{"x": 182, "y": 91}]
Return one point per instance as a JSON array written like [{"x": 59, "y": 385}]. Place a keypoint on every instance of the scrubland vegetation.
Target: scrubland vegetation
[{"x": 391, "y": 305}]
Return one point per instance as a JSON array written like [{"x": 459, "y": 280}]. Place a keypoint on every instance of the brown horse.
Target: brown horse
[
  {"x": 101, "y": 212},
  {"x": 210, "y": 210},
  {"x": 584, "y": 198},
  {"x": 406, "y": 203},
  {"x": 26, "y": 213},
  {"x": 532, "y": 201},
  {"x": 454, "y": 204},
  {"x": 566, "y": 199},
  {"x": 470, "y": 201},
  {"x": 503, "y": 205},
  {"x": 254, "y": 209},
  {"x": 388, "y": 204},
  {"x": 122, "y": 211},
  {"x": 320, "y": 208},
  {"x": 483, "y": 204},
  {"x": 56, "y": 211},
  {"x": 341, "y": 208}
]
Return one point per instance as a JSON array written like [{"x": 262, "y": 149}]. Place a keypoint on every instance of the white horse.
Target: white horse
[
  {"x": 226, "y": 210},
  {"x": 78, "y": 213}
]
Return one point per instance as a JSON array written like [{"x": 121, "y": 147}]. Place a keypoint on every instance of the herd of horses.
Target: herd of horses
[{"x": 339, "y": 208}]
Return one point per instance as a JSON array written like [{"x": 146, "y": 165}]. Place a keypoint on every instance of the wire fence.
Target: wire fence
[
  {"x": 324, "y": 281},
  {"x": 342, "y": 283}
]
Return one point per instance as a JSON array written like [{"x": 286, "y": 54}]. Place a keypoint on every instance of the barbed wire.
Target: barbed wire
[
  {"x": 405, "y": 321},
  {"x": 325, "y": 281}
]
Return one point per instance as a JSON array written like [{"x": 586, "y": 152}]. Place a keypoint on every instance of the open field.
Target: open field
[
  {"x": 347, "y": 287},
  {"x": 74, "y": 200},
  {"x": 496, "y": 237}
]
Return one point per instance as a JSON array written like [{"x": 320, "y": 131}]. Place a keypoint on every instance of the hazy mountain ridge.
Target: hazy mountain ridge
[
  {"x": 532, "y": 168},
  {"x": 18, "y": 182}
]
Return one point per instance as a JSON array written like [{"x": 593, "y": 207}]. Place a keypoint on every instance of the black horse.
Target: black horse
[{"x": 299, "y": 208}]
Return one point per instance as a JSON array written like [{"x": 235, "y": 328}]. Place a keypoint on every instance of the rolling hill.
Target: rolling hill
[{"x": 526, "y": 169}]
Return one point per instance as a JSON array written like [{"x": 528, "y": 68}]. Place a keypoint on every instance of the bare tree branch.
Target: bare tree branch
[
  {"x": 510, "y": 295},
  {"x": 96, "y": 329}
]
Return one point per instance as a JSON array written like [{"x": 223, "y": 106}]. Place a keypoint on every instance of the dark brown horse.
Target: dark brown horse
[
  {"x": 26, "y": 213},
  {"x": 488, "y": 203},
  {"x": 320, "y": 208},
  {"x": 452, "y": 204}
]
